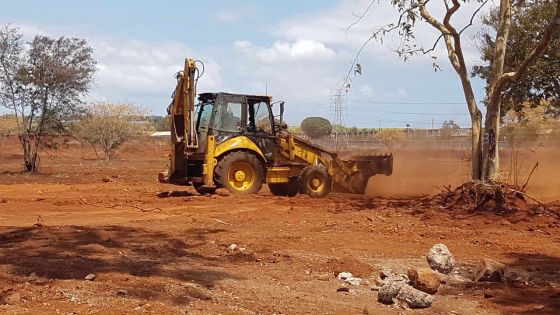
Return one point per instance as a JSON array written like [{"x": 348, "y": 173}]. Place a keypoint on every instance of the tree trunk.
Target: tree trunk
[
  {"x": 452, "y": 39},
  {"x": 26, "y": 144},
  {"x": 107, "y": 153},
  {"x": 476, "y": 122},
  {"x": 476, "y": 150},
  {"x": 491, "y": 140},
  {"x": 490, "y": 151}
]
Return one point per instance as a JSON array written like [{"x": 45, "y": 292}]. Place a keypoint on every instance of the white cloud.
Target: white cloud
[
  {"x": 281, "y": 51},
  {"x": 144, "y": 72},
  {"x": 330, "y": 25}
]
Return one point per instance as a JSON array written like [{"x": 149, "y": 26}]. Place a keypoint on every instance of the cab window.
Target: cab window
[
  {"x": 227, "y": 117},
  {"x": 262, "y": 117}
]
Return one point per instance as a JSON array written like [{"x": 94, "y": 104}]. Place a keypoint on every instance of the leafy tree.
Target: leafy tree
[
  {"x": 160, "y": 123},
  {"x": 316, "y": 127},
  {"x": 43, "y": 84},
  {"x": 339, "y": 129},
  {"x": 294, "y": 129},
  {"x": 107, "y": 126},
  {"x": 542, "y": 81},
  {"x": 532, "y": 125},
  {"x": 447, "y": 129},
  {"x": 485, "y": 154},
  {"x": 352, "y": 130}
]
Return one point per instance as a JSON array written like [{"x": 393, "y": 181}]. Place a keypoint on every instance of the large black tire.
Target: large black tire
[
  {"x": 289, "y": 189},
  {"x": 315, "y": 181},
  {"x": 240, "y": 173}
]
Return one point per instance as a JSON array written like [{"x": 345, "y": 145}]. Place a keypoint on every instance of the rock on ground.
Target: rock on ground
[
  {"x": 440, "y": 259},
  {"x": 390, "y": 288},
  {"x": 424, "y": 279},
  {"x": 222, "y": 192},
  {"x": 90, "y": 277},
  {"x": 349, "y": 278},
  {"x": 414, "y": 298},
  {"x": 489, "y": 270}
]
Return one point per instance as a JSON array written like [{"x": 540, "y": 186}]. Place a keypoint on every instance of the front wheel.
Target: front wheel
[
  {"x": 240, "y": 173},
  {"x": 315, "y": 181}
]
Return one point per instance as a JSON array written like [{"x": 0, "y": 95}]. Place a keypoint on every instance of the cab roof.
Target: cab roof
[{"x": 205, "y": 97}]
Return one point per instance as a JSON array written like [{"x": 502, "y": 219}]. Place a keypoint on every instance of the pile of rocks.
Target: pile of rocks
[{"x": 417, "y": 287}]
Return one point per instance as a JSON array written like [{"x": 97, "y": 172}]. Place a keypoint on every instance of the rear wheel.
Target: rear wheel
[
  {"x": 315, "y": 181},
  {"x": 289, "y": 189},
  {"x": 240, "y": 173}
]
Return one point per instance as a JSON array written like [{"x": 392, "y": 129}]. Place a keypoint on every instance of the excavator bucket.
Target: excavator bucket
[{"x": 363, "y": 167}]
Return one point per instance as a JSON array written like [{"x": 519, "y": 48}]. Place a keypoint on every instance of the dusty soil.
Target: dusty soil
[{"x": 162, "y": 249}]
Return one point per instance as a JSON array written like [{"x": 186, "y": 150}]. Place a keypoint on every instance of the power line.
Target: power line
[
  {"x": 412, "y": 113},
  {"x": 408, "y": 103}
]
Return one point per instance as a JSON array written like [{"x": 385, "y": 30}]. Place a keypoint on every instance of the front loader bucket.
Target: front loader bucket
[
  {"x": 363, "y": 167},
  {"x": 371, "y": 165}
]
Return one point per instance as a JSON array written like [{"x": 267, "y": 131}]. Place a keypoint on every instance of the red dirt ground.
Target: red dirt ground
[{"x": 162, "y": 249}]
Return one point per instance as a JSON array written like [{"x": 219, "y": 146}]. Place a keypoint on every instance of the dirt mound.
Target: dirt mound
[{"x": 483, "y": 197}]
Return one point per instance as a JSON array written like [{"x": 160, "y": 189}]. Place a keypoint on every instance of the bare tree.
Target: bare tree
[
  {"x": 107, "y": 126},
  {"x": 43, "y": 84},
  {"x": 485, "y": 159}
]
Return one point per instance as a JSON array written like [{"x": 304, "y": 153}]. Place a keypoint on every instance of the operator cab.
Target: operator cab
[{"x": 226, "y": 116}]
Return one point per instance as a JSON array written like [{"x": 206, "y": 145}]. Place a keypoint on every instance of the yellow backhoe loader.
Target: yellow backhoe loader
[{"x": 235, "y": 142}]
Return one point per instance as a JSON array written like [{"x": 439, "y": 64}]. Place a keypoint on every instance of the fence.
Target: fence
[{"x": 435, "y": 144}]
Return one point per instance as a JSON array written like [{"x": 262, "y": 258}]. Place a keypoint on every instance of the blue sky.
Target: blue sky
[{"x": 298, "y": 49}]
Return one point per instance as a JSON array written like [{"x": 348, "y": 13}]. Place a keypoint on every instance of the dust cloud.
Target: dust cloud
[{"x": 417, "y": 172}]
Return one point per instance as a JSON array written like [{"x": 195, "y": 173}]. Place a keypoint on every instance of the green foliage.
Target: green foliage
[
  {"x": 294, "y": 129},
  {"x": 542, "y": 80},
  {"x": 160, "y": 123},
  {"x": 316, "y": 127},
  {"x": 447, "y": 129},
  {"x": 343, "y": 129},
  {"x": 352, "y": 130},
  {"x": 43, "y": 83}
]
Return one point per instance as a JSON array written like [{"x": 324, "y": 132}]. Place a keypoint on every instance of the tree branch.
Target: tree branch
[
  {"x": 426, "y": 51},
  {"x": 430, "y": 19},
  {"x": 539, "y": 48},
  {"x": 361, "y": 16},
  {"x": 446, "y": 33},
  {"x": 473, "y": 16},
  {"x": 382, "y": 30},
  {"x": 449, "y": 14}
]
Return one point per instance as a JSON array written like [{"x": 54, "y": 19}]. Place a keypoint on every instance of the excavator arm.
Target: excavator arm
[{"x": 182, "y": 118}]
